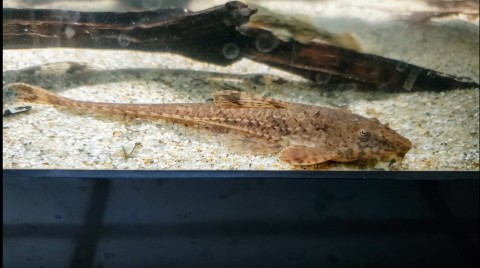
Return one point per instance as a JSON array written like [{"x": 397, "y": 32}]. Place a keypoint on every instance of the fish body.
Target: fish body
[{"x": 302, "y": 134}]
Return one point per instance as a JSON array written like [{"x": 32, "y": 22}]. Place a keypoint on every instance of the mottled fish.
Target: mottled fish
[{"x": 302, "y": 134}]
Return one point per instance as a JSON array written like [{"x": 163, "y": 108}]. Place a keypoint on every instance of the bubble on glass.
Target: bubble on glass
[
  {"x": 149, "y": 4},
  {"x": 244, "y": 12},
  {"x": 401, "y": 66},
  {"x": 231, "y": 51},
  {"x": 412, "y": 77},
  {"x": 266, "y": 42},
  {"x": 323, "y": 78},
  {"x": 382, "y": 86},
  {"x": 69, "y": 32},
  {"x": 123, "y": 40},
  {"x": 349, "y": 86},
  {"x": 71, "y": 16}
]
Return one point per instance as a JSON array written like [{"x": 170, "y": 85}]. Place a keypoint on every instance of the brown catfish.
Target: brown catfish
[{"x": 302, "y": 134}]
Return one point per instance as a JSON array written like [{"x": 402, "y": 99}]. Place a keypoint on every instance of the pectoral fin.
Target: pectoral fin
[
  {"x": 251, "y": 145},
  {"x": 231, "y": 98},
  {"x": 303, "y": 156}
]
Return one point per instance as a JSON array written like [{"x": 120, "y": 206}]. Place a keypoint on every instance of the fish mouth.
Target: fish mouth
[
  {"x": 391, "y": 162},
  {"x": 393, "y": 159}
]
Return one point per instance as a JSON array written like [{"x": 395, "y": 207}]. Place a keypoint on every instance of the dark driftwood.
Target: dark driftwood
[
  {"x": 200, "y": 35},
  {"x": 317, "y": 60},
  {"x": 212, "y": 35}
]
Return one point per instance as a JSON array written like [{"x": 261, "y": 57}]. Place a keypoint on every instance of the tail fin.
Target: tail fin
[{"x": 21, "y": 92}]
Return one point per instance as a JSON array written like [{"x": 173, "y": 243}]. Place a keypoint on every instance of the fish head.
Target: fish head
[{"x": 371, "y": 139}]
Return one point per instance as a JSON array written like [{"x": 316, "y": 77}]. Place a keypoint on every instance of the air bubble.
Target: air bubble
[
  {"x": 72, "y": 16},
  {"x": 266, "y": 42},
  {"x": 244, "y": 12},
  {"x": 346, "y": 86},
  {"x": 401, "y": 66},
  {"x": 323, "y": 78},
  {"x": 382, "y": 86},
  {"x": 349, "y": 86},
  {"x": 69, "y": 32},
  {"x": 123, "y": 40},
  {"x": 150, "y": 4},
  {"x": 412, "y": 77},
  {"x": 231, "y": 51}
]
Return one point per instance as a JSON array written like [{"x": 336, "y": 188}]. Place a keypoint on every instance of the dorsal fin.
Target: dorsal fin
[{"x": 231, "y": 98}]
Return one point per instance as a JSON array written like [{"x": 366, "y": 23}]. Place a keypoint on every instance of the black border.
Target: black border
[
  {"x": 241, "y": 174},
  {"x": 87, "y": 235}
]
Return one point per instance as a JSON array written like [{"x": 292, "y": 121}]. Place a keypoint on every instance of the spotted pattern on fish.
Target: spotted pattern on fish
[{"x": 302, "y": 134}]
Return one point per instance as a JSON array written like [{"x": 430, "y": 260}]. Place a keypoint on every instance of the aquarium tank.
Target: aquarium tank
[
  {"x": 264, "y": 133},
  {"x": 403, "y": 75}
]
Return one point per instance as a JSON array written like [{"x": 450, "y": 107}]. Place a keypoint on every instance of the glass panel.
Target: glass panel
[{"x": 399, "y": 62}]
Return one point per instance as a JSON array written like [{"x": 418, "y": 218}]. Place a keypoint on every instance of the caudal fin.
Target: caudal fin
[{"x": 21, "y": 92}]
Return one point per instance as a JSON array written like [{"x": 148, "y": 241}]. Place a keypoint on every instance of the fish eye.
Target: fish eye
[{"x": 364, "y": 135}]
